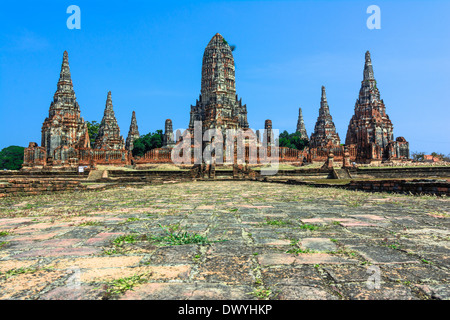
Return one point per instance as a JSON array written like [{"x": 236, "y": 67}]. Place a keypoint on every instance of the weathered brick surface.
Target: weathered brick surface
[
  {"x": 16, "y": 187},
  {"x": 403, "y": 186}
]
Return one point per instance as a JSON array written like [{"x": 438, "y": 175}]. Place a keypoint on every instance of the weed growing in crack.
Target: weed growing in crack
[
  {"x": 175, "y": 239},
  {"x": 274, "y": 222},
  {"x": 311, "y": 227},
  {"x": 262, "y": 293},
  {"x": 119, "y": 286}
]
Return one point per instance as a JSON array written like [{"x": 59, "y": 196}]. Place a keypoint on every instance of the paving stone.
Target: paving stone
[
  {"x": 226, "y": 269},
  {"x": 387, "y": 291},
  {"x": 382, "y": 255},
  {"x": 441, "y": 291},
  {"x": 318, "y": 244},
  {"x": 305, "y": 275},
  {"x": 286, "y": 292},
  {"x": 187, "y": 291},
  {"x": 253, "y": 255},
  {"x": 348, "y": 273},
  {"x": 174, "y": 255}
]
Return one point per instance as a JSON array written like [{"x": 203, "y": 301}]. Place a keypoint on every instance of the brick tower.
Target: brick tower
[
  {"x": 218, "y": 105},
  {"x": 370, "y": 128},
  {"x": 301, "y": 125},
  {"x": 109, "y": 133},
  {"x": 64, "y": 127},
  {"x": 324, "y": 134},
  {"x": 133, "y": 133}
]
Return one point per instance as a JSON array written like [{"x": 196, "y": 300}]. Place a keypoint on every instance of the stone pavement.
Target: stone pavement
[{"x": 224, "y": 240}]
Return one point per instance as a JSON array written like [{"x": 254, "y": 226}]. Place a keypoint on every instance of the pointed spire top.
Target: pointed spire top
[
  {"x": 65, "y": 69},
  {"x": 324, "y": 94},
  {"x": 301, "y": 125},
  {"x": 368, "y": 68},
  {"x": 109, "y": 105},
  {"x": 324, "y": 108}
]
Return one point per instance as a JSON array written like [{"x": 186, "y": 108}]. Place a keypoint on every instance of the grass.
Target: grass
[
  {"x": 4, "y": 233},
  {"x": 132, "y": 219},
  {"x": 14, "y": 272},
  {"x": 300, "y": 250},
  {"x": 311, "y": 227},
  {"x": 275, "y": 222},
  {"x": 119, "y": 286},
  {"x": 3, "y": 244},
  {"x": 129, "y": 238},
  {"x": 262, "y": 293},
  {"x": 297, "y": 249},
  {"x": 181, "y": 238},
  {"x": 88, "y": 223}
]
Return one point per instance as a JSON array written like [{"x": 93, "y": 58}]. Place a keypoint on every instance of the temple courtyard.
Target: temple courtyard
[{"x": 224, "y": 240}]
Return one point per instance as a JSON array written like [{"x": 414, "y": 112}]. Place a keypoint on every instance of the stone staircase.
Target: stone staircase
[
  {"x": 97, "y": 175},
  {"x": 341, "y": 173}
]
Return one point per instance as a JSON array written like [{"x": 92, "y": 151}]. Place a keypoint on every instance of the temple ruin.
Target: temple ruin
[{"x": 65, "y": 140}]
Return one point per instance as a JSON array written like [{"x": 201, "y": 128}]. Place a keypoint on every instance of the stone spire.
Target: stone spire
[
  {"x": 370, "y": 127},
  {"x": 133, "y": 133},
  {"x": 368, "y": 68},
  {"x": 268, "y": 137},
  {"x": 218, "y": 105},
  {"x": 64, "y": 126},
  {"x": 109, "y": 133},
  {"x": 324, "y": 131},
  {"x": 301, "y": 125},
  {"x": 168, "y": 140}
]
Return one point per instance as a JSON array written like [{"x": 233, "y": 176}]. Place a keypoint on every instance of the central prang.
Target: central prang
[{"x": 218, "y": 106}]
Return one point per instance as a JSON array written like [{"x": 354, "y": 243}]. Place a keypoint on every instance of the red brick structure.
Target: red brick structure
[
  {"x": 133, "y": 133},
  {"x": 324, "y": 134},
  {"x": 65, "y": 141},
  {"x": 370, "y": 128}
]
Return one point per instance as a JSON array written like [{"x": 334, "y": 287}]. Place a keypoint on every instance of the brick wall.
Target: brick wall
[
  {"x": 17, "y": 187},
  {"x": 436, "y": 187}
]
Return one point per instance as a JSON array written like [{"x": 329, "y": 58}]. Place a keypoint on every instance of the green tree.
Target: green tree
[
  {"x": 11, "y": 158},
  {"x": 418, "y": 156},
  {"x": 292, "y": 140},
  {"x": 147, "y": 142},
  {"x": 92, "y": 130}
]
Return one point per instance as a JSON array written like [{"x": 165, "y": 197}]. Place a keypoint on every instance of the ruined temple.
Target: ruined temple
[
  {"x": 324, "y": 134},
  {"x": 109, "y": 132},
  {"x": 301, "y": 125},
  {"x": 218, "y": 105},
  {"x": 64, "y": 130},
  {"x": 370, "y": 128},
  {"x": 65, "y": 140},
  {"x": 64, "y": 126}
]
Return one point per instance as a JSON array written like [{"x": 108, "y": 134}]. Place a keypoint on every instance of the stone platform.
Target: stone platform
[{"x": 236, "y": 240}]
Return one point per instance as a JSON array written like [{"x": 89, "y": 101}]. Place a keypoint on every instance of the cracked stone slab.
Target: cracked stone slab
[{"x": 383, "y": 255}]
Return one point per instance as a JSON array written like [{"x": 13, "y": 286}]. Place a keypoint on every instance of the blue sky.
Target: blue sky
[{"x": 149, "y": 54}]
